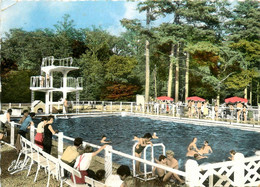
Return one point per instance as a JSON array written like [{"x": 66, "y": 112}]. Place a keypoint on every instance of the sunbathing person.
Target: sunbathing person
[
  {"x": 173, "y": 163},
  {"x": 118, "y": 180},
  {"x": 160, "y": 172},
  {"x": 205, "y": 149},
  {"x": 192, "y": 148}
]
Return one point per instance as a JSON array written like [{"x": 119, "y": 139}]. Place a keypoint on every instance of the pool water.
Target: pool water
[{"x": 175, "y": 136}]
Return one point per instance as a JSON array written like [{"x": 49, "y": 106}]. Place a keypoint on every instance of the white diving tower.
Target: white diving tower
[{"x": 44, "y": 82}]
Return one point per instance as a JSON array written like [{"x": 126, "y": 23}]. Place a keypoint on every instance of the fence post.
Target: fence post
[
  {"x": 239, "y": 169},
  {"x": 108, "y": 160},
  {"x": 10, "y": 105},
  {"x": 212, "y": 113},
  {"x": 12, "y": 133},
  {"x": 131, "y": 107},
  {"x": 111, "y": 105},
  {"x": 192, "y": 173},
  {"x": 60, "y": 144},
  {"x": 32, "y": 133}
]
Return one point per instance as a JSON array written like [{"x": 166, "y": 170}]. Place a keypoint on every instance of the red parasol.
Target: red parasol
[
  {"x": 163, "y": 98},
  {"x": 195, "y": 98},
  {"x": 235, "y": 99}
]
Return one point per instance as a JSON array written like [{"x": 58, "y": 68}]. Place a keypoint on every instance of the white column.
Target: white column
[
  {"x": 131, "y": 107},
  {"x": 239, "y": 170},
  {"x": 51, "y": 99},
  {"x": 120, "y": 106},
  {"x": 60, "y": 144},
  {"x": 64, "y": 89},
  {"x": 192, "y": 173},
  {"x": 47, "y": 102},
  {"x": 108, "y": 160}
]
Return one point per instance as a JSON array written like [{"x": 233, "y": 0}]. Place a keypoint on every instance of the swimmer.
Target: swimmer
[
  {"x": 232, "y": 153},
  {"x": 142, "y": 143},
  {"x": 154, "y": 136},
  {"x": 103, "y": 140},
  {"x": 205, "y": 149},
  {"x": 160, "y": 172},
  {"x": 192, "y": 148}
]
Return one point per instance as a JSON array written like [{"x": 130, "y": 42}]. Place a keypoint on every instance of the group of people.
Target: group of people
[
  {"x": 43, "y": 137},
  {"x": 80, "y": 158}
]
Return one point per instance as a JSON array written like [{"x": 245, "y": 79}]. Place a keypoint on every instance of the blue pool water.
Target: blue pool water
[{"x": 175, "y": 136}]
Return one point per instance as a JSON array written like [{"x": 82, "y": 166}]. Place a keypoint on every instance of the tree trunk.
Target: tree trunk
[
  {"x": 155, "y": 82},
  {"x": 169, "y": 93},
  {"x": 187, "y": 77},
  {"x": 251, "y": 92},
  {"x": 177, "y": 74},
  {"x": 257, "y": 94},
  {"x": 245, "y": 93},
  {"x": 147, "y": 61}
]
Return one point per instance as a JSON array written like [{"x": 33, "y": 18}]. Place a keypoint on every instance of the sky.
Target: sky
[{"x": 31, "y": 15}]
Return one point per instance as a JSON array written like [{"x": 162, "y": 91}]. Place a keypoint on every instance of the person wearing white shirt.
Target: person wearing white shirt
[
  {"x": 118, "y": 180},
  {"x": 4, "y": 120}
]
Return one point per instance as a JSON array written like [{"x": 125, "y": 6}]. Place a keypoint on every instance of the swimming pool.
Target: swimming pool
[{"x": 175, "y": 136}]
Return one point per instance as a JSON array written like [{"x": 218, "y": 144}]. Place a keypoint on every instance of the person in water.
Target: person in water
[
  {"x": 232, "y": 154},
  {"x": 205, "y": 149},
  {"x": 192, "y": 148},
  {"x": 103, "y": 140},
  {"x": 142, "y": 143}
]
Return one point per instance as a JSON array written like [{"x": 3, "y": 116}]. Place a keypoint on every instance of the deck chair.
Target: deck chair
[
  {"x": 93, "y": 182},
  {"x": 99, "y": 184},
  {"x": 52, "y": 166},
  {"x": 23, "y": 149},
  {"x": 38, "y": 158},
  {"x": 89, "y": 181},
  {"x": 74, "y": 172}
]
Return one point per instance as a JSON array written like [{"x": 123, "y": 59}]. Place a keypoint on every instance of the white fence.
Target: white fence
[
  {"x": 239, "y": 172},
  {"x": 252, "y": 113}
]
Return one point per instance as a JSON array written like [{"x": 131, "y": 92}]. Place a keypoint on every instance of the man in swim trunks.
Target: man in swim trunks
[
  {"x": 161, "y": 172},
  {"x": 173, "y": 163}
]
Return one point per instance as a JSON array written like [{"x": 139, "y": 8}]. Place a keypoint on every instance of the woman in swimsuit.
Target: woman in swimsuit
[
  {"x": 142, "y": 142},
  {"x": 192, "y": 148}
]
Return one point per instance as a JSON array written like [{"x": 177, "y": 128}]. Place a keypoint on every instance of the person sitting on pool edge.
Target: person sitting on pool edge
[
  {"x": 142, "y": 143},
  {"x": 118, "y": 180},
  {"x": 205, "y": 149},
  {"x": 72, "y": 152},
  {"x": 160, "y": 172},
  {"x": 83, "y": 162},
  {"x": 172, "y": 163}
]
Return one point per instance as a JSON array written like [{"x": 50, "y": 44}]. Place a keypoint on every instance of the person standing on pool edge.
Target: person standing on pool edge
[
  {"x": 142, "y": 143},
  {"x": 48, "y": 132}
]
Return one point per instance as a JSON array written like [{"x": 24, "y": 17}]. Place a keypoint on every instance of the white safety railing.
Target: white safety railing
[
  {"x": 145, "y": 158},
  {"x": 51, "y": 61},
  {"x": 239, "y": 172},
  {"x": 73, "y": 82},
  {"x": 40, "y": 82}
]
